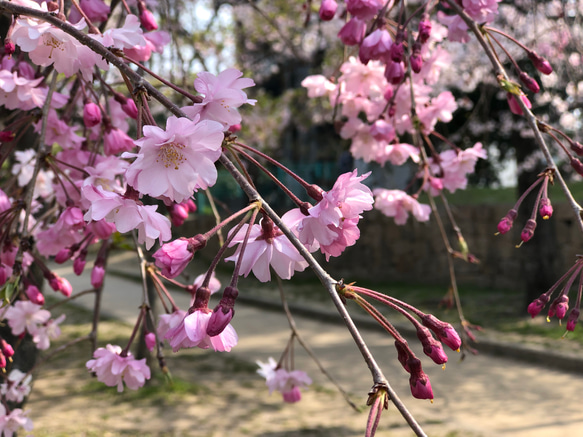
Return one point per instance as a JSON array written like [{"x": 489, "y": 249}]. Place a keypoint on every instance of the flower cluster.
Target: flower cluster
[{"x": 288, "y": 383}]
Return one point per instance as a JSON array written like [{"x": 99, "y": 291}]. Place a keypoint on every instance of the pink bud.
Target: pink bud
[
  {"x": 577, "y": 165},
  {"x": 219, "y": 320},
  {"x": 130, "y": 108},
  {"x": 178, "y": 213},
  {"x": 91, "y": 114},
  {"x": 576, "y": 147},
  {"x": 79, "y": 265},
  {"x": 2, "y": 360},
  {"x": 540, "y": 63},
  {"x": 293, "y": 395},
  {"x": 546, "y": 209},
  {"x": 102, "y": 229},
  {"x": 148, "y": 20},
  {"x": 537, "y": 305},
  {"x": 403, "y": 353},
  {"x": 444, "y": 331},
  {"x": 529, "y": 82},
  {"x": 62, "y": 256},
  {"x": 382, "y": 131},
  {"x": 573, "y": 319},
  {"x": 6, "y": 136},
  {"x": 395, "y": 73},
  {"x": 560, "y": 306},
  {"x": 528, "y": 230},
  {"x": 6, "y": 348},
  {"x": 506, "y": 223},
  {"x": 364, "y": 9},
  {"x": 61, "y": 284},
  {"x": 352, "y": 33},
  {"x": 9, "y": 46},
  {"x": 235, "y": 128},
  {"x": 431, "y": 347},
  {"x": 397, "y": 52},
  {"x": 97, "y": 275},
  {"x": 150, "y": 339},
  {"x": 327, "y": 10},
  {"x": 419, "y": 382},
  {"x": 416, "y": 60},
  {"x": 34, "y": 295},
  {"x": 388, "y": 95},
  {"x": 513, "y": 103},
  {"x": 424, "y": 30}
]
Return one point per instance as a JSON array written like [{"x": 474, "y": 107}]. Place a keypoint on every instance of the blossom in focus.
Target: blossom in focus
[
  {"x": 285, "y": 381},
  {"x": 222, "y": 95},
  {"x": 191, "y": 332},
  {"x": 172, "y": 258},
  {"x": 114, "y": 370},
  {"x": 398, "y": 204},
  {"x": 176, "y": 161},
  {"x": 269, "y": 248}
]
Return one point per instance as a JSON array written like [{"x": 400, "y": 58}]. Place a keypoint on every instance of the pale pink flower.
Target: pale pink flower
[
  {"x": 318, "y": 86},
  {"x": 264, "y": 252},
  {"x": 457, "y": 28},
  {"x": 398, "y": 204},
  {"x": 25, "y": 316},
  {"x": 128, "y": 36},
  {"x": 222, "y": 95},
  {"x": 397, "y": 154},
  {"x": 47, "y": 332},
  {"x": 191, "y": 332},
  {"x": 364, "y": 9},
  {"x": 172, "y": 258},
  {"x": 11, "y": 423},
  {"x": 96, "y": 10},
  {"x": 352, "y": 33},
  {"x": 114, "y": 370},
  {"x": 282, "y": 380},
  {"x": 16, "y": 387},
  {"x": 155, "y": 42},
  {"x": 339, "y": 207},
  {"x": 166, "y": 322},
  {"x": 177, "y": 161},
  {"x": 456, "y": 165},
  {"x": 483, "y": 11},
  {"x": 116, "y": 141}
]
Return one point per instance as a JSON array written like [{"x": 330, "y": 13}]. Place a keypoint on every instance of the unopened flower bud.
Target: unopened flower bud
[
  {"x": 545, "y": 210},
  {"x": 397, "y": 52},
  {"x": 529, "y": 82},
  {"x": 513, "y": 103},
  {"x": 388, "y": 94},
  {"x": 60, "y": 284},
  {"x": 559, "y": 307},
  {"x": 130, "y": 108},
  {"x": 540, "y": 63},
  {"x": 9, "y": 46},
  {"x": 424, "y": 30},
  {"x": 537, "y": 305},
  {"x": 395, "y": 74},
  {"x": 403, "y": 353},
  {"x": 577, "y": 165},
  {"x": 148, "y": 20},
  {"x": 528, "y": 230},
  {"x": 79, "y": 264},
  {"x": 576, "y": 147},
  {"x": 431, "y": 347},
  {"x": 506, "y": 222},
  {"x": 327, "y": 9},
  {"x": 34, "y": 295},
  {"x": 419, "y": 381},
  {"x": 91, "y": 114},
  {"x": 352, "y": 33},
  {"x": 178, "y": 213},
  {"x": 97, "y": 275},
  {"x": 573, "y": 319},
  {"x": 6, "y": 136},
  {"x": 234, "y": 128},
  {"x": 293, "y": 395},
  {"x": 416, "y": 60},
  {"x": 444, "y": 331},
  {"x": 63, "y": 256},
  {"x": 2, "y": 361},
  {"x": 219, "y": 320},
  {"x": 150, "y": 340},
  {"x": 6, "y": 348}
]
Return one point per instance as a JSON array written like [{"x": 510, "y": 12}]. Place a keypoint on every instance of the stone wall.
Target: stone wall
[{"x": 415, "y": 252}]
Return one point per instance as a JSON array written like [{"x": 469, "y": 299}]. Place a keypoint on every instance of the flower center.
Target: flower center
[
  {"x": 170, "y": 155},
  {"x": 50, "y": 41}
]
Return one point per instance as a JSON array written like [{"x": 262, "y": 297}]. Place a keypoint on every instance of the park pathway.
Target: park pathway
[{"x": 482, "y": 396}]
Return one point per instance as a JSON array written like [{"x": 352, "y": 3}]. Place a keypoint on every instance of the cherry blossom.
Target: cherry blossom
[
  {"x": 16, "y": 387},
  {"x": 177, "y": 161},
  {"x": 11, "y": 423},
  {"x": 25, "y": 316},
  {"x": 222, "y": 95},
  {"x": 398, "y": 204},
  {"x": 268, "y": 247},
  {"x": 285, "y": 381},
  {"x": 173, "y": 257},
  {"x": 114, "y": 370},
  {"x": 47, "y": 332}
]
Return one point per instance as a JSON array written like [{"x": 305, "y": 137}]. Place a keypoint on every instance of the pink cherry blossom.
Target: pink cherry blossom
[
  {"x": 12, "y": 423},
  {"x": 177, "y": 161},
  {"x": 398, "y": 204},
  {"x": 47, "y": 332},
  {"x": 222, "y": 95},
  {"x": 483, "y": 11},
  {"x": 352, "y": 33},
  {"x": 173, "y": 257},
  {"x": 114, "y": 370},
  {"x": 285, "y": 381},
  {"x": 458, "y": 29},
  {"x": 364, "y": 9},
  {"x": 191, "y": 332},
  {"x": 16, "y": 387},
  {"x": 25, "y": 316},
  {"x": 318, "y": 86},
  {"x": 96, "y": 10},
  {"x": 375, "y": 46},
  {"x": 166, "y": 322},
  {"x": 269, "y": 248}
]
